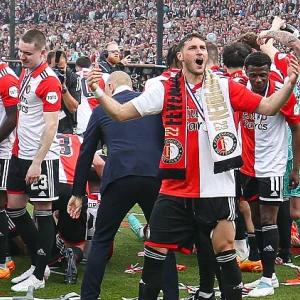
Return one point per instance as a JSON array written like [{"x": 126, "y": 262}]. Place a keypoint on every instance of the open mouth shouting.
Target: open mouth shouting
[{"x": 199, "y": 61}]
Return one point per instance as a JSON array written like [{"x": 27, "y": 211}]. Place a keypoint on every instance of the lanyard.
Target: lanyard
[
  {"x": 196, "y": 100},
  {"x": 27, "y": 79}
]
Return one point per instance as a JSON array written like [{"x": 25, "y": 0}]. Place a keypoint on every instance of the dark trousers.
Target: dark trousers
[{"x": 118, "y": 198}]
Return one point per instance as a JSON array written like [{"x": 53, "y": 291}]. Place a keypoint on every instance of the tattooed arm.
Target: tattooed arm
[
  {"x": 51, "y": 123},
  {"x": 286, "y": 38}
]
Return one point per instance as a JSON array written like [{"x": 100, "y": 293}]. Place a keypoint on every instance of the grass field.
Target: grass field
[{"x": 117, "y": 284}]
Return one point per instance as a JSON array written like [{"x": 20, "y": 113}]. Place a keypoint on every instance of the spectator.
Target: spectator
[
  {"x": 96, "y": 21},
  {"x": 111, "y": 61}
]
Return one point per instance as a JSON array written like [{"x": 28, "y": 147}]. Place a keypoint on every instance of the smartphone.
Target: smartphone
[{"x": 126, "y": 53}]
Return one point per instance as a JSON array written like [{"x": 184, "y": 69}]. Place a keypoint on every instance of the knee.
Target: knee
[
  {"x": 295, "y": 215},
  {"x": 223, "y": 245}
]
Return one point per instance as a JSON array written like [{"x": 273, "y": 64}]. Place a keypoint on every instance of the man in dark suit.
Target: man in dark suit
[{"x": 129, "y": 177}]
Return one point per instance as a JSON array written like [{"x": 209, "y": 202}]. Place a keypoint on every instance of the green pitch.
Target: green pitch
[{"x": 117, "y": 284}]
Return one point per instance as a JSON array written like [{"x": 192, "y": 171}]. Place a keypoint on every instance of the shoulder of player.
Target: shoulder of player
[
  {"x": 48, "y": 77},
  {"x": 6, "y": 73},
  {"x": 48, "y": 74}
]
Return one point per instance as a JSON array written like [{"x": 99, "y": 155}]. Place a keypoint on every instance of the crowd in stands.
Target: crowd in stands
[{"x": 83, "y": 27}]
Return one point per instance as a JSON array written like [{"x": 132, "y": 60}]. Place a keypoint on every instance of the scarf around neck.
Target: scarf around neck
[{"x": 213, "y": 104}]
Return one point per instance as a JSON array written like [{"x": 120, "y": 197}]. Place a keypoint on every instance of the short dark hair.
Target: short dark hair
[
  {"x": 83, "y": 62},
  {"x": 234, "y": 55},
  {"x": 213, "y": 51},
  {"x": 187, "y": 38},
  {"x": 52, "y": 54},
  {"x": 172, "y": 59},
  {"x": 258, "y": 59},
  {"x": 249, "y": 38},
  {"x": 36, "y": 37}
]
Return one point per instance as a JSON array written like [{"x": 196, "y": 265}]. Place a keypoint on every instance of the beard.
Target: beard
[{"x": 113, "y": 60}]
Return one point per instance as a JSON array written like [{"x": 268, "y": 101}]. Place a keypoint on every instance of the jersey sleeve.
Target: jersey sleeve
[
  {"x": 291, "y": 111},
  {"x": 9, "y": 90},
  {"x": 49, "y": 90},
  {"x": 151, "y": 101},
  {"x": 241, "y": 98},
  {"x": 280, "y": 62}
]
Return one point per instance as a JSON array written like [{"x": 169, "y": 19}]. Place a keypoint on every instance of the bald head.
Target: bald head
[{"x": 116, "y": 79}]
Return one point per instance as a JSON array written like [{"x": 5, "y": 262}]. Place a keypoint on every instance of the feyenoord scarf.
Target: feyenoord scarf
[{"x": 225, "y": 149}]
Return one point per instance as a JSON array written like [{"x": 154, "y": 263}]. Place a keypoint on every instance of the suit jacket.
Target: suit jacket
[{"x": 134, "y": 147}]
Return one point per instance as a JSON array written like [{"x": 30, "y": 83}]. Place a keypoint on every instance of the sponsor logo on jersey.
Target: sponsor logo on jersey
[
  {"x": 22, "y": 108},
  {"x": 224, "y": 143},
  {"x": 255, "y": 121},
  {"x": 172, "y": 151},
  {"x": 13, "y": 92},
  {"x": 52, "y": 97}
]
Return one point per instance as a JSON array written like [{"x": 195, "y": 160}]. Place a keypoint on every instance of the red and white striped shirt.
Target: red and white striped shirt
[
  {"x": 265, "y": 138},
  {"x": 40, "y": 91},
  {"x": 9, "y": 96},
  {"x": 88, "y": 101},
  {"x": 200, "y": 179}
]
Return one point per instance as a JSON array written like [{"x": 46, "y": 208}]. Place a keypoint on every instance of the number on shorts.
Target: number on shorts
[
  {"x": 275, "y": 183},
  {"x": 42, "y": 184}
]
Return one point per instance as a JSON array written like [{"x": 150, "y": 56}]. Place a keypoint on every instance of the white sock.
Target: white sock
[{"x": 241, "y": 249}]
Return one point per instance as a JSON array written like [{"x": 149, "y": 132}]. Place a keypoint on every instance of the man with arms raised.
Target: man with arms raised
[{"x": 197, "y": 193}]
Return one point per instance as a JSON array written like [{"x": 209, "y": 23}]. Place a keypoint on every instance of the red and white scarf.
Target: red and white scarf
[{"x": 225, "y": 149}]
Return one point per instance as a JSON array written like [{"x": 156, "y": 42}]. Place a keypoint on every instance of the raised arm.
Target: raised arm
[
  {"x": 268, "y": 47},
  {"x": 117, "y": 111},
  {"x": 286, "y": 38}
]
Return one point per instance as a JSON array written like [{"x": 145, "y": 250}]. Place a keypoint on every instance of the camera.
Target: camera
[{"x": 60, "y": 73}]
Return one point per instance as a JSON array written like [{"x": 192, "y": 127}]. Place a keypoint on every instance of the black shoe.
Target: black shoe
[
  {"x": 283, "y": 258},
  {"x": 71, "y": 271}
]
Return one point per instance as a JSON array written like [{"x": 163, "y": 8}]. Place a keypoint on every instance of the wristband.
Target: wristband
[
  {"x": 98, "y": 92},
  {"x": 286, "y": 79}
]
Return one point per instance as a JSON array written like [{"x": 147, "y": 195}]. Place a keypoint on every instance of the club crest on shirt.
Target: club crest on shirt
[
  {"x": 224, "y": 143},
  {"x": 13, "y": 92},
  {"x": 173, "y": 151},
  {"x": 52, "y": 97}
]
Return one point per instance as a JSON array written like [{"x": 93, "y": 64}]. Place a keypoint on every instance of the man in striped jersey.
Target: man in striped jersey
[
  {"x": 196, "y": 198},
  {"x": 265, "y": 157},
  {"x": 9, "y": 98},
  {"x": 33, "y": 168}
]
